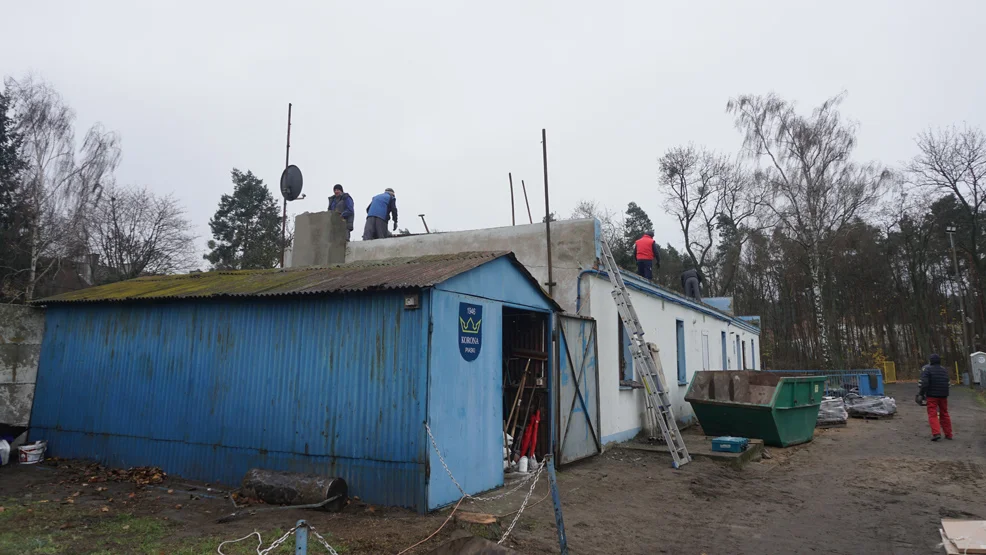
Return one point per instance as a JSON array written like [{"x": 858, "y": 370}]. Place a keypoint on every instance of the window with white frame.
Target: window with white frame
[
  {"x": 625, "y": 355},
  {"x": 705, "y": 351}
]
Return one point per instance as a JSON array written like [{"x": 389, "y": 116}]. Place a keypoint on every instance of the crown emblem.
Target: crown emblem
[{"x": 470, "y": 326}]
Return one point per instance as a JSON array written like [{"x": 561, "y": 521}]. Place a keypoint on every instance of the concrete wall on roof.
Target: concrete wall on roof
[
  {"x": 21, "y": 330},
  {"x": 573, "y": 248},
  {"x": 319, "y": 240}
]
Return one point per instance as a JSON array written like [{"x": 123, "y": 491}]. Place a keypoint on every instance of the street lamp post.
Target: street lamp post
[{"x": 950, "y": 230}]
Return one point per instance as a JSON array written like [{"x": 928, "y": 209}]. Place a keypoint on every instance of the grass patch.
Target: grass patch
[
  {"x": 42, "y": 528},
  {"x": 53, "y": 528}
]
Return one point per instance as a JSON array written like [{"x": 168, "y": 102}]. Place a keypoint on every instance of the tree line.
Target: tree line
[
  {"x": 62, "y": 214},
  {"x": 848, "y": 263}
]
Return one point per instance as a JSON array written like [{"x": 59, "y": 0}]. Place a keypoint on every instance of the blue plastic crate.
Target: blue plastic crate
[{"x": 728, "y": 444}]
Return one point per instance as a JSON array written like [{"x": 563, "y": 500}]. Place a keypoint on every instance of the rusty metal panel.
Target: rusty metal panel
[
  {"x": 395, "y": 274},
  {"x": 207, "y": 389}
]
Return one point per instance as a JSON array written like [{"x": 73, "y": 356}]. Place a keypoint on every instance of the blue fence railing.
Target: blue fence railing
[{"x": 866, "y": 381}]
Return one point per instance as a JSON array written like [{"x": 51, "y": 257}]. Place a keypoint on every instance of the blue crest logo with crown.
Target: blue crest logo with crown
[{"x": 470, "y": 330}]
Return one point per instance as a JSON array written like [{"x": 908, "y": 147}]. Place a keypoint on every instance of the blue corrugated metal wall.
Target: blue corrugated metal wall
[{"x": 208, "y": 389}]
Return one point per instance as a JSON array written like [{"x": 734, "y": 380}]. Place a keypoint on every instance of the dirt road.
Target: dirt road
[{"x": 872, "y": 487}]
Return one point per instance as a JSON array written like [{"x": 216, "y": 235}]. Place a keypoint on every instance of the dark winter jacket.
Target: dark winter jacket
[
  {"x": 689, "y": 274},
  {"x": 934, "y": 381},
  {"x": 383, "y": 206},
  {"x": 344, "y": 205}
]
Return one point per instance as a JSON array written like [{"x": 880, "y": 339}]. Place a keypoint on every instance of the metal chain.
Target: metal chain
[
  {"x": 322, "y": 540},
  {"x": 462, "y": 491},
  {"x": 522, "y": 506},
  {"x": 277, "y": 543}
]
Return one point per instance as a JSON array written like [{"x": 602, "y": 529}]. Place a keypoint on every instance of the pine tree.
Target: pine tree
[
  {"x": 13, "y": 232},
  {"x": 246, "y": 228}
]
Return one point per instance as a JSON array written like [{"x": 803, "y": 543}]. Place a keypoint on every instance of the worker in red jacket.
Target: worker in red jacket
[{"x": 647, "y": 254}]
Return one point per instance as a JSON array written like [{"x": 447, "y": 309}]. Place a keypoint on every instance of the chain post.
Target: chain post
[
  {"x": 301, "y": 538},
  {"x": 559, "y": 522}
]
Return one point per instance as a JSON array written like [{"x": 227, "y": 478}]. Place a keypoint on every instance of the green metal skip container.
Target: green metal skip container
[{"x": 779, "y": 410}]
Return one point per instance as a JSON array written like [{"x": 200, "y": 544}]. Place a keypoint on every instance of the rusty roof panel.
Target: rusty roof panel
[{"x": 400, "y": 273}]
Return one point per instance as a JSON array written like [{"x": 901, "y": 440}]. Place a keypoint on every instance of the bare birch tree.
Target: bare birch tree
[
  {"x": 61, "y": 184},
  {"x": 817, "y": 189},
  {"x": 137, "y": 233}
]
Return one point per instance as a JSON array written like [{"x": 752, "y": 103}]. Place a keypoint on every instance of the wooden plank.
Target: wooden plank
[{"x": 969, "y": 536}]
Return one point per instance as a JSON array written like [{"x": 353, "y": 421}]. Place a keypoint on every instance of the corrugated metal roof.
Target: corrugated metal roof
[{"x": 400, "y": 273}]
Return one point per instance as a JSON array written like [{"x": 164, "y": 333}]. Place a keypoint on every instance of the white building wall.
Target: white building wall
[{"x": 622, "y": 409}]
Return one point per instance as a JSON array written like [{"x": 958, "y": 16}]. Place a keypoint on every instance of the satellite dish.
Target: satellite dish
[{"x": 291, "y": 182}]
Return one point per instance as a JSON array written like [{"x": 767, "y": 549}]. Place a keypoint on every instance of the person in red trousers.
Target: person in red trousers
[{"x": 934, "y": 385}]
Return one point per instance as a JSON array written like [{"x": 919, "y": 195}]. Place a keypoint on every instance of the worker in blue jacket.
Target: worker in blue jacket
[
  {"x": 341, "y": 202},
  {"x": 381, "y": 208}
]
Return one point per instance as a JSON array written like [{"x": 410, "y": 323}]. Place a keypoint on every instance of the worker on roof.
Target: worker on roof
[
  {"x": 341, "y": 202},
  {"x": 647, "y": 254},
  {"x": 378, "y": 212},
  {"x": 691, "y": 281}
]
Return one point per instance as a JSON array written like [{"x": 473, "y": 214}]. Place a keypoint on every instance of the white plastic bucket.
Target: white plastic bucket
[
  {"x": 4, "y": 452},
  {"x": 522, "y": 465},
  {"x": 33, "y": 453}
]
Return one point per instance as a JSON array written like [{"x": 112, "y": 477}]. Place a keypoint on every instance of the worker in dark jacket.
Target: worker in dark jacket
[
  {"x": 341, "y": 202},
  {"x": 691, "y": 280},
  {"x": 934, "y": 385},
  {"x": 381, "y": 208},
  {"x": 647, "y": 254}
]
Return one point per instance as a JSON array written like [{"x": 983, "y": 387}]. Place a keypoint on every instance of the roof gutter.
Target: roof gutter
[{"x": 657, "y": 292}]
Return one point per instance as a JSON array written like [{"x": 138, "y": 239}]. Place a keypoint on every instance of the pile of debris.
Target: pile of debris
[
  {"x": 877, "y": 406},
  {"x": 832, "y": 412},
  {"x": 96, "y": 473}
]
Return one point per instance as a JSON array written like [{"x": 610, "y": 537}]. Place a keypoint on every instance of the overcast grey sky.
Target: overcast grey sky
[{"x": 439, "y": 100}]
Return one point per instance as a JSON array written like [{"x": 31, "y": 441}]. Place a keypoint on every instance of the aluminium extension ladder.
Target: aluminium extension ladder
[{"x": 655, "y": 389}]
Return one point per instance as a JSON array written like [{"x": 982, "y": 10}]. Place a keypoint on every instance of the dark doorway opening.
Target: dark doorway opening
[{"x": 526, "y": 407}]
